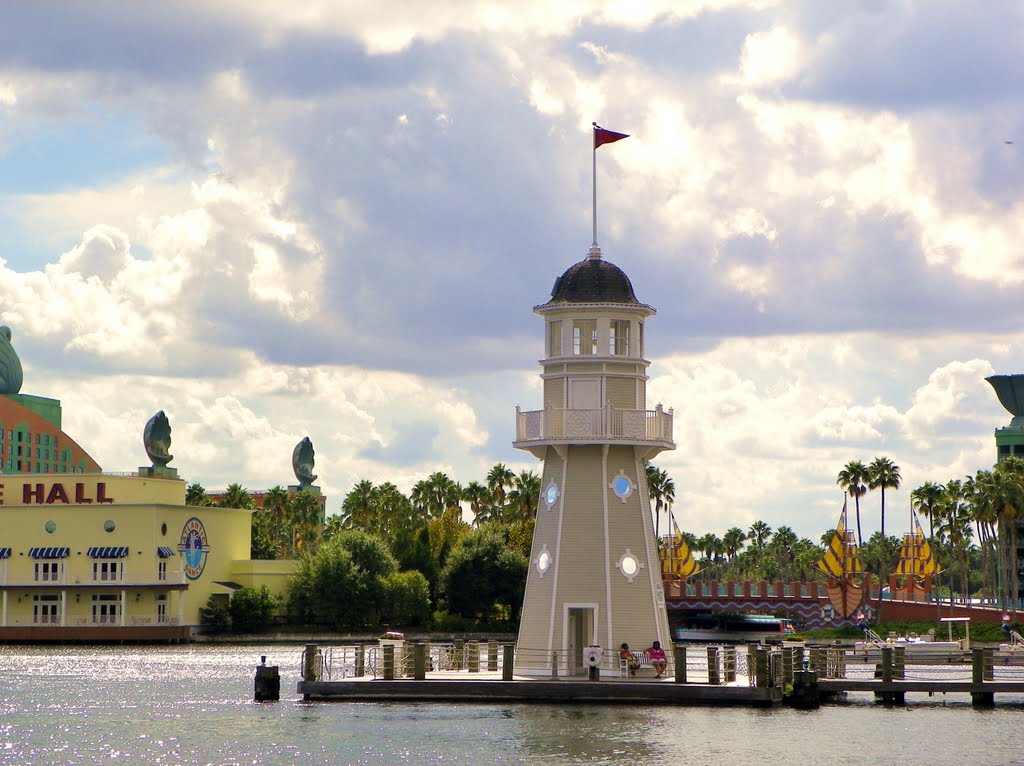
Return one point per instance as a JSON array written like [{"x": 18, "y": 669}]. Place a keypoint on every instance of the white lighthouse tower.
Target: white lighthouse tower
[{"x": 594, "y": 576}]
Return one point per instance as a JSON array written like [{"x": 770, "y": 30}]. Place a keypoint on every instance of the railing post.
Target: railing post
[
  {"x": 492, "y": 656},
  {"x": 419, "y": 661},
  {"x": 460, "y": 656},
  {"x": 309, "y": 663},
  {"x": 507, "y": 661},
  {"x": 554, "y": 666},
  {"x": 762, "y": 668},
  {"x": 679, "y": 653},
  {"x": 389, "y": 662},
  {"x": 473, "y": 660},
  {"x": 714, "y": 675},
  {"x": 899, "y": 670},
  {"x": 360, "y": 660}
]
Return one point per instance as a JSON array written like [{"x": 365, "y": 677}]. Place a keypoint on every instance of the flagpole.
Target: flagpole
[{"x": 593, "y": 185}]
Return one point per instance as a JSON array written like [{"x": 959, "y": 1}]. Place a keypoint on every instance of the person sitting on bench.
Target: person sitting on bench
[
  {"x": 658, "y": 659},
  {"x": 629, "y": 659}
]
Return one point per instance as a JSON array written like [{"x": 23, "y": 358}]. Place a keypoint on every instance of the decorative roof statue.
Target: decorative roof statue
[
  {"x": 11, "y": 376},
  {"x": 302, "y": 462},
  {"x": 157, "y": 439}
]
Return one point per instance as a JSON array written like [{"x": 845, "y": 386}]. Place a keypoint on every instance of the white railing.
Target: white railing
[{"x": 606, "y": 423}]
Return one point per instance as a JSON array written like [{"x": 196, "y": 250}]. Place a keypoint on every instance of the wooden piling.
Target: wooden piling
[
  {"x": 679, "y": 653},
  {"x": 507, "y": 661},
  {"x": 267, "y": 686}
]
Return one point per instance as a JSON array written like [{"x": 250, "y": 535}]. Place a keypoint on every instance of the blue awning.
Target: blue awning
[
  {"x": 108, "y": 552},
  {"x": 49, "y": 553},
  {"x": 5, "y": 553},
  {"x": 166, "y": 553}
]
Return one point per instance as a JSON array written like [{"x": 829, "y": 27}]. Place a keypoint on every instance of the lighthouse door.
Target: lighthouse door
[{"x": 580, "y": 631}]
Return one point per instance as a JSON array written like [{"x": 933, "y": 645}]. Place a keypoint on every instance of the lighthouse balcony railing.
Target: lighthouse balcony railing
[{"x": 605, "y": 423}]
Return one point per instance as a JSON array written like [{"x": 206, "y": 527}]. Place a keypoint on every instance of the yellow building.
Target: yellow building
[{"x": 91, "y": 556}]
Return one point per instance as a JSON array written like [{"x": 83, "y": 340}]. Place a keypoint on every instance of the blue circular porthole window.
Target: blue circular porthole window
[
  {"x": 551, "y": 495},
  {"x": 622, "y": 486}
]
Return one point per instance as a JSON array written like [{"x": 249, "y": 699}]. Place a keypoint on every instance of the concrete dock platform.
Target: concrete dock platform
[{"x": 489, "y": 687}]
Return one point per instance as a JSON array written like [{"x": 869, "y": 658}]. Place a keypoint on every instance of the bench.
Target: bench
[{"x": 645, "y": 668}]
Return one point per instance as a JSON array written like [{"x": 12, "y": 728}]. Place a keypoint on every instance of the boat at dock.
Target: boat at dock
[{"x": 726, "y": 628}]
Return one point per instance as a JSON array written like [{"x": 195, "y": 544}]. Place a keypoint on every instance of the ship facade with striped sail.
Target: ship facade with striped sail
[{"x": 841, "y": 562}]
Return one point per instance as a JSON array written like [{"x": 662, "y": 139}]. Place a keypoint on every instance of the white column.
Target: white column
[{"x": 124, "y": 606}]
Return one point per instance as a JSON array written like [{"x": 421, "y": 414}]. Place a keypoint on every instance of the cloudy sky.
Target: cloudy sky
[{"x": 332, "y": 219}]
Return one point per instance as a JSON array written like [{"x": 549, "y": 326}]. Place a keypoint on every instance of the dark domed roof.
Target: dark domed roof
[{"x": 593, "y": 280}]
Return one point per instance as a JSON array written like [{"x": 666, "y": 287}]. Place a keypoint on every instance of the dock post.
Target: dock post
[
  {"x": 899, "y": 663},
  {"x": 554, "y": 666},
  {"x": 762, "y": 667},
  {"x": 886, "y": 664},
  {"x": 714, "y": 676},
  {"x": 360, "y": 660},
  {"x": 419, "y": 661},
  {"x": 805, "y": 690},
  {"x": 729, "y": 664},
  {"x": 492, "y": 656},
  {"x": 978, "y": 673},
  {"x": 309, "y": 658},
  {"x": 473, "y": 660},
  {"x": 819, "y": 660},
  {"x": 507, "y": 661},
  {"x": 679, "y": 653},
  {"x": 268, "y": 682},
  {"x": 460, "y": 655},
  {"x": 389, "y": 662}
]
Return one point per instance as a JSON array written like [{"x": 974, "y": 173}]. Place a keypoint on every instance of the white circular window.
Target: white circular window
[
  {"x": 629, "y": 565},
  {"x": 622, "y": 486},
  {"x": 543, "y": 562},
  {"x": 551, "y": 495}
]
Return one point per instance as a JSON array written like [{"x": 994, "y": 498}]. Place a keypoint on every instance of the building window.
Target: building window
[
  {"x": 555, "y": 338},
  {"x": 161, "y": 570},
  {"x": 104, "y": 610},
  {"x": 44, "y": 610},
  {"x": 584, "y": 337},
  {"x": 618, "y": 337},
  {"x": 640, "y": 337},
  {"x": 48, "y": 570},
  {"x": 107, "y": 570},
  {"x": 161, "y": 608}
]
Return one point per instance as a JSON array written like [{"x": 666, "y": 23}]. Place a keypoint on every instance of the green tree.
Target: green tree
[
  {"x": 406, "y": 599},
  {"x": 955, "y": 532},
  {"x": 323, "y": 591},
  {"x": 853, "y": 479},
  {"x": 306, "y": 521},
  {"x": 277, "y": 503},
  {"x": 485, "y": 574},
  {"x": 252, "y": 609},
  {"x": 237, "y": 496}
]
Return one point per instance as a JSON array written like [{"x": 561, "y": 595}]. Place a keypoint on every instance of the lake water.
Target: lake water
[{"x": 185, "y": 706}]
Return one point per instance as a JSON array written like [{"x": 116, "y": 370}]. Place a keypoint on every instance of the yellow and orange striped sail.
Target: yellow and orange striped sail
[
  {"x": 916, "y": 556},
  {"x": 676, "y": 558},
  {"x": 841, "y": 557}
]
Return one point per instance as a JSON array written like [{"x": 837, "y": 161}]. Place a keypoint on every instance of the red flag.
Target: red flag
[{"x": 602, "y": 136}]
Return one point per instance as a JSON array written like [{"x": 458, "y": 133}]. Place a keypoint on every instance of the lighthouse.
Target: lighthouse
[{"x": 594, "y": 576}]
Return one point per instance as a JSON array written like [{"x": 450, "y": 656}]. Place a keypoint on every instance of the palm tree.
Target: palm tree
[
  {"x": 195, "y": 494},
  {"x": 999, "y": 495},
  {"x": 277, "y": 502},
  {"x": 306, "y": 520},
  {"x": 883, "y": 474},
  {"x": 237, "y": 496},
  {"x": 499, "y": 480},
  {"x": 955, "y": 531},
  {"x": 478, "y": 497},
  {"x": 925, "y": 500},
  {"x": 783, "y": 549},
  {"x": 524, "y": 497},
  {"x": 357, "y": 509},
  {"x": 853, "y": 480},
  {"x": 758, "y": 535},
  {"x": 662, "y": 490},
  {"x": 733, "y": 540}
]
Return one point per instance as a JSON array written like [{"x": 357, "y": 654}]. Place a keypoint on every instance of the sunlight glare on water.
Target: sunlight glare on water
[{"x": 191, "y": 706}]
